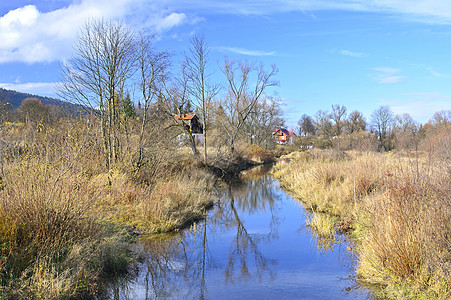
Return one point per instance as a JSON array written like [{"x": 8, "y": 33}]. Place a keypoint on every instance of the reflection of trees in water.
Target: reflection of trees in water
[
  {"x": 178, "y": 266},
  {"x": 256, "y": 172},
  {"x": 326, "y": 241},
  {"x": 175, "y": 266},
  {"x": 251, "y": 196},
  {"x": 254, "y": 195},
  {"x": 244, "y": 248},
  {"x": 118, "y": 289}
]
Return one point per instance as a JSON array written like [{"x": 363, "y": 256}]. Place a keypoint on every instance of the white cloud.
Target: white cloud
[
  {"x": 247, "y": 52},
  {"x": 28, "y": 35},
  {"x": 431, "y": 11},
  {"x": 24, "y": 16},
  {"x": 31, "y": 36},
  {"x": 348, "y": 53},
  {"x": 351, "y": 53},
  {"x": 386, "y": 75},
  {"x": 170, "y": 21},
  {"x": 433, "y": 72},
  {"x": 387, "y": 70},
  {"x": 387, "y": 79}
]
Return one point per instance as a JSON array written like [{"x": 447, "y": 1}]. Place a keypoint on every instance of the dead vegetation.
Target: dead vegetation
[
  {"x": 397, "y": 205},
  {"x": 66, "y": 223}
]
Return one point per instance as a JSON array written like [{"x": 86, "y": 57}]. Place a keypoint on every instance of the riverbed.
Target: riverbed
[{"x": 253, "y": 244}]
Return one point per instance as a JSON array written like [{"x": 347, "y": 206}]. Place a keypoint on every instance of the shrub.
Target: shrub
[
  {"x": 43, "y": 215},
  {"x": 256, "y": 153},
  {"x": 408, "y": 240}
]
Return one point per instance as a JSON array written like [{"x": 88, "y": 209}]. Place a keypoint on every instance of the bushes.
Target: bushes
[
  {"x": 361, "y": 141},
  {"x": 258, "y": 154},
  {"x": 408, "y": 238},
  {"x": 43, "y": 214}
]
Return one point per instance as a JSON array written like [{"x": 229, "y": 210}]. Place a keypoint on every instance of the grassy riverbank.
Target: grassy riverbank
[
  {"x": 68, "y": 225},
  {"x": 396, "y": 206}
]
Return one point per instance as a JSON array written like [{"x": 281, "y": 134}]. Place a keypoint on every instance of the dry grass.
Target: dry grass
[
  {"x": 43, "y": 215},
  {"x": 408, "y": 240},
  {"x": 331, "y": 181},
  {"x": 399, "y": 207},
  {"x": 65, "y": 220},
  {"x": 178, "y": 201}
]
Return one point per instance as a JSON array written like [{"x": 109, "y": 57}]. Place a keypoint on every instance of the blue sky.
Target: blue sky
[{"x": 357, "y": 53}]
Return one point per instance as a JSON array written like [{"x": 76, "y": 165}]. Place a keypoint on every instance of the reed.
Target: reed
[
  {"x": 398, "y": 208},
  {"x": 178, "y": 201}
]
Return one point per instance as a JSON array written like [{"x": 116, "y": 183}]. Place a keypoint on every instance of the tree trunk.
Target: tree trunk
[
  {"x": 204, "y": 133},
  {"x": 232, "y": 147},
  {"x": 193, "y": 144}
]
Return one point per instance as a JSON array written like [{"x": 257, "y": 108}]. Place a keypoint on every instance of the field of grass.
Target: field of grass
[{"x": 396, "y": 206}]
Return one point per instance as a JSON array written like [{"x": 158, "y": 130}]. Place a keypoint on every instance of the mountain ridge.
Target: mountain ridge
[{"x": 15, "y": 98}]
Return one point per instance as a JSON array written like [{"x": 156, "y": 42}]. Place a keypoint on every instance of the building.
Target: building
[
  {"x": 191, "y": 123},
  {"x": 283, "y": 136}
]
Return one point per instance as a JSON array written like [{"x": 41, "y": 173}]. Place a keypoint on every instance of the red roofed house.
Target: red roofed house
[
  {"x": 283, "y": 136},
  {"x": 190, "y": 122}
]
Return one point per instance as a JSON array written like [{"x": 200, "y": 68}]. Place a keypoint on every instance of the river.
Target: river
[{"x": 253, "y": 244}]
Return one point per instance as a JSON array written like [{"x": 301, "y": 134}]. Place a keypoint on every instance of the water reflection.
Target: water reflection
[
  {"x": 244, "y": 249},
  {"x": 249, "y": 246}
]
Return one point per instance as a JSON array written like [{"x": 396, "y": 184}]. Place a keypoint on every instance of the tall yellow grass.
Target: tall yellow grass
[
  {"x": 398, "y": 206},
  {"x": 178, "y": 201},
  {"x": 65, "y": 220}
]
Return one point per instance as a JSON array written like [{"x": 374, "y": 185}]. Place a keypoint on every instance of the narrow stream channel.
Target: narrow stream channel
[{"x": 253, "y": 245}]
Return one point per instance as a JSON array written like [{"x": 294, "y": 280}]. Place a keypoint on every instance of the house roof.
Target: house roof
[
  {"x": 283, "y": 130},
  {"x": 185, "y": 117}
]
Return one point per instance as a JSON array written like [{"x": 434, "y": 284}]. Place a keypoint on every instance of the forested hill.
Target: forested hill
[{"x": 16, "y": 98}]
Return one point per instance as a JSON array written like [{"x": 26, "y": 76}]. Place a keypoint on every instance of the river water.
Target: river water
[{"x": 253, "y": 245}]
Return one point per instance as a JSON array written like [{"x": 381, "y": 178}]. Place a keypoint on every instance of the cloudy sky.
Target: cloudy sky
[{"x": 358, "y": 53}]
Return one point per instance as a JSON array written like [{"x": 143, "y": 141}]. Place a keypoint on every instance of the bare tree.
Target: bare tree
[
  {"x": 338, "y": 116},
  {"x": 199, "y": 86},
  {"x": 441, "y": 117},
  {"x": 323, "y": 124},
  {"x": 306, "y": 125},
  {"x": 265, "y": 116},
  {"x": 175, "y": 98},
  {"x": 405, "y": 123},
  {"x": 382, "y": 123},
  {"x": 404, "y": 130},
  {"x": 152, "y": 69},
  {"x": 241, "y": 98},
  {"x": 355, "y": 122},
  {"x": 95, "y": 77}
]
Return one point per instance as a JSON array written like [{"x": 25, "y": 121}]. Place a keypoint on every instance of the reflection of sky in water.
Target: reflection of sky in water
[{"x": 255, "y": 247}]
